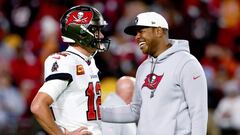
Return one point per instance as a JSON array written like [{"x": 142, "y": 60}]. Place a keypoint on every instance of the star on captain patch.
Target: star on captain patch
[
  {"x": 54, "y": 67},
  {"x": 80, "y": 70}
]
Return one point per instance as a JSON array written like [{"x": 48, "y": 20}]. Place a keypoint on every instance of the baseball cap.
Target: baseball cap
[{"x": 146, "y": 19}]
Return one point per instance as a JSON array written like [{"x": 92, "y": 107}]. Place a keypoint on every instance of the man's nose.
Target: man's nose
[
  {"x": 137, "y": 36},
  {"x": 101, "y": 36}
]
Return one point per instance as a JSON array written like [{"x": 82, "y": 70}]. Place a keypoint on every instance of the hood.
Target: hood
[{"x": 177, "y": 46}]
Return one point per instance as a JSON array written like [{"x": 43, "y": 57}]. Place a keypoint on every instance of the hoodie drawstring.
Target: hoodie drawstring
[{"x": 153, "y": 65}]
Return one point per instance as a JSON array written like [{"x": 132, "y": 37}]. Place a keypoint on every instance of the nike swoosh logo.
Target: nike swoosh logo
[{"x": 194, "y": 78}]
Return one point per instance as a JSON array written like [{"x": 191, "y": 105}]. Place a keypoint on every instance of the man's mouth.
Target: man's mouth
[{"x": 141, "y": 44}]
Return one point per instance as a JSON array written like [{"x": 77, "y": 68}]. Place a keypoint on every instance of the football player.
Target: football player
[{"x": 68, "y": 101}]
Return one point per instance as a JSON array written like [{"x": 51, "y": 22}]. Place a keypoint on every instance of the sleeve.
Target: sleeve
[
  {"x": 194, "y": 85},
  {"x": 129, "y": 129},
  {"x": 118, "y": 129},
  {"x": 59, "y": 67},
  {"x": 111, "y": 128},
  {"x": 118, "y": 114},
  {"x": 124, "y": 113},
  {"x": 54, "y": 88}
]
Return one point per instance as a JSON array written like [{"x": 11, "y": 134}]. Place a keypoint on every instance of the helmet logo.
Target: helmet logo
[{"x": 79, "y": 17}]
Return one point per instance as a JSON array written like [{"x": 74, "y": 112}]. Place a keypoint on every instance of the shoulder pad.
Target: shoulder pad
[{"x": 59, "y": 55}]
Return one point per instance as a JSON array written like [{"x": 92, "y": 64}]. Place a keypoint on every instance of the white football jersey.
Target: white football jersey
[{"x": 78, "y": 104}]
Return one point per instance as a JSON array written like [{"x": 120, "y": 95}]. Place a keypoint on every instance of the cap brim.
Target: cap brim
[{"x": 132, "y": 30}]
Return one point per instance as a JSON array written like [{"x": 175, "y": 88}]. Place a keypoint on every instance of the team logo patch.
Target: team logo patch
[
  {"x": 54, "y": 67},
  {"x": 82, "y": 17},
  {"x": 151, "y": 81},
  {"x": 80, "y": 70}
]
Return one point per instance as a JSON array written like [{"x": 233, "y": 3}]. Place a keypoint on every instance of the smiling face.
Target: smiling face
[
  {"x": 148, "y": 40},
  {"x": 152, "y": 40}
]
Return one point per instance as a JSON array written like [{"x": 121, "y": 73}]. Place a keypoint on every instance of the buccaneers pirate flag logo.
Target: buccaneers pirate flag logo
[
  {"x": 152, "y": 81},
  {"x": 82, "y": 17}
]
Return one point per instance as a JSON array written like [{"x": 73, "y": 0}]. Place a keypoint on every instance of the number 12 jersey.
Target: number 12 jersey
[{"x": 77, "y": 104}]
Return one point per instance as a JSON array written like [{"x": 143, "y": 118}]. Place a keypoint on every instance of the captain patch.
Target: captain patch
[{"x": 80, "y": 70}]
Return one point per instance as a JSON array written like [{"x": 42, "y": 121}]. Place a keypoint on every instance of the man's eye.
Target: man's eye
[
  {"x": 93, "y": 30},
  {"x": 141, "y": 31}
]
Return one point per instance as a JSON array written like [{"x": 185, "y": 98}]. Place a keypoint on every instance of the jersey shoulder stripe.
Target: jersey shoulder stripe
[{"x": 60, "y": 76}]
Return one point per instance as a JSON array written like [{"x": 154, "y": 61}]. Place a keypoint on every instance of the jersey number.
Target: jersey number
[{"x": 92, "y": 113}]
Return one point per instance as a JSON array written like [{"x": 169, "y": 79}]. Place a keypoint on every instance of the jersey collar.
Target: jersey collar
[{"x": 76, "y": 52}]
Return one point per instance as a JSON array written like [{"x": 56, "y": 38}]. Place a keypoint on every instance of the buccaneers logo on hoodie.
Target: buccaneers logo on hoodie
[{"x": 152, "y": 81}]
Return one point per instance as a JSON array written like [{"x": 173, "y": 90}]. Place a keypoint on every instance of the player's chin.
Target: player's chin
[{"x": 144, "y": 50}]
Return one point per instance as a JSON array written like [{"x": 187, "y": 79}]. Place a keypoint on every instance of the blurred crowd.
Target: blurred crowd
[{"x": 29, "y": 32}]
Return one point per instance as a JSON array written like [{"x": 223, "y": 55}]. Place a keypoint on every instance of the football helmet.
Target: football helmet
[{"x": 82, "y": 24}]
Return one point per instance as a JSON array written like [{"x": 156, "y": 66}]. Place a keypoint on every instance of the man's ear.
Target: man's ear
[{"x": 160, "y": 32}]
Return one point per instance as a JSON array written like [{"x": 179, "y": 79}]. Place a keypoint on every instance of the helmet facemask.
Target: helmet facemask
[
  {"x": 83, "y": 24},
  {"x": 102, "y": 44}
]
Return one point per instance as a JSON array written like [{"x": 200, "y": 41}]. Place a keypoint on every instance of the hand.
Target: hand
[{"x": 80, "y": 131}]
